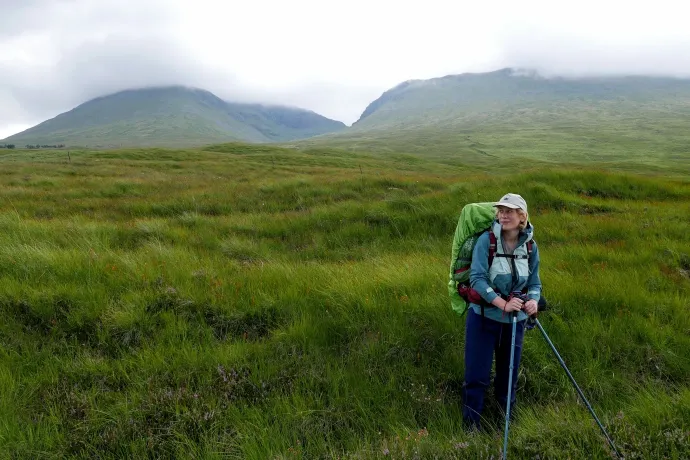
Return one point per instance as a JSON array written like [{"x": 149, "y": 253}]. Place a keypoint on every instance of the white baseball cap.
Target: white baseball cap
[{"x": 512, "y": 200}]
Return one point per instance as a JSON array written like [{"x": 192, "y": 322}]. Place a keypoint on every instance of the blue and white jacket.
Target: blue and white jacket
[{"x": 490, "y": 282}]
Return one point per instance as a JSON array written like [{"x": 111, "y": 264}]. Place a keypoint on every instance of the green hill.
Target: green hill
[
  {"x": 173, "y": 116},
  {"x": 506, "y": 113}
]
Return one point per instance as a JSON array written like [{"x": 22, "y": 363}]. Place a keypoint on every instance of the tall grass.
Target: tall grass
[{"x": 256, "y": 302}]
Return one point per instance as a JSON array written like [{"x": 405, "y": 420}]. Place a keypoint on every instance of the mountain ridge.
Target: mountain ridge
[
  {"x": 174, "y": 115},
  {"x": 518, "y": 113},
  {"x": 414, "y": 111},
  {"x": 508, "y": 88}
]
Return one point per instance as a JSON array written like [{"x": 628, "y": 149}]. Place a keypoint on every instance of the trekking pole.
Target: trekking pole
[
  {"x": 510, "y": 388},
  {"x": 576, "y": 387}
]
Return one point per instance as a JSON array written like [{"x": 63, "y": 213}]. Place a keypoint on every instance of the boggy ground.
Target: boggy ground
[{"x": 257, "y": 302}]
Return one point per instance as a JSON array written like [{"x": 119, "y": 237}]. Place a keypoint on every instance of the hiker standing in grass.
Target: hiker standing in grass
[{"x": 515, "y": 267}]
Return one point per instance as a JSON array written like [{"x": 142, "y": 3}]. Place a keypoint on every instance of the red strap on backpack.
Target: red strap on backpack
[{"x": 492, "y": 247}]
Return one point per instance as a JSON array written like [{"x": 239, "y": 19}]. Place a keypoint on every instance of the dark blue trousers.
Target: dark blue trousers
[{"x": 483, "y": 338}]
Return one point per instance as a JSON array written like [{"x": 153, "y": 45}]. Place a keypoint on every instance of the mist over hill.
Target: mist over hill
[
  {"x": 520, "y": 113},
  {"x": 505, "y": 112},
  {"x": 497, "y": 97}
]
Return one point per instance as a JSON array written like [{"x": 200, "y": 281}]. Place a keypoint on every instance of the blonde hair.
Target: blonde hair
[{"x": 524, "y": 218}]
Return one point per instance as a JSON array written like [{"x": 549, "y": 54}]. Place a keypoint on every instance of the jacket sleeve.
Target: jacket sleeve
[
  {"x": 479, "y": 270},
  {"x": 533, "y": 281}
]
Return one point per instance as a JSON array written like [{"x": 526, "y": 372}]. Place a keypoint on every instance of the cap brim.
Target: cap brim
[{"x": 507, "y": 205}]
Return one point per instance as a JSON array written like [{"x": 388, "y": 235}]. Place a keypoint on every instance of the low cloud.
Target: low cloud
[
  {"x": 573, "y": 57},
  {"x": 594, "y": 38},
  {"x": 56, "y": 54}
]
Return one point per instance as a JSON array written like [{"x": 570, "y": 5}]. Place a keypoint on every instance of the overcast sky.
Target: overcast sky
[{"x": 332, "y": 57}]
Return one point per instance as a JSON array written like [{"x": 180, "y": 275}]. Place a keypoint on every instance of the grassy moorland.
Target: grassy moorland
[
  {"x": 649, "y": 144},
  {"x": 255, "y": 302}
]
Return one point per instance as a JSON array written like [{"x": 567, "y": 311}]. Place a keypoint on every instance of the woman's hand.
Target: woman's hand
[
  {"x": 513, "y": 304},
  {"x": 531, "y": 307}
]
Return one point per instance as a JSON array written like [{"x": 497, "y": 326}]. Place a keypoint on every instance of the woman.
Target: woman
[{"x": 489, "y": 326}]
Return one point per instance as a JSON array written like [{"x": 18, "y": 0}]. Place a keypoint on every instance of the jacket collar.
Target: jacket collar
[{"x": 524, "y": 236}]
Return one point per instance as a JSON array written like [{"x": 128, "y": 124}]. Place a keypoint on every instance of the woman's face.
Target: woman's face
[{"x": 508, "y": 218}]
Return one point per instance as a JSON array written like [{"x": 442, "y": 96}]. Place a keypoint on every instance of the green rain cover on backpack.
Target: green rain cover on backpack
[{"x": 474, "y": 219}]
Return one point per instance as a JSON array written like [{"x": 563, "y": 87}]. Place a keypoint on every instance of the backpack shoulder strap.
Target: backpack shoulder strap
[
  {"x": 492, "y": 247},
  {"x": 492, "y": 253}
]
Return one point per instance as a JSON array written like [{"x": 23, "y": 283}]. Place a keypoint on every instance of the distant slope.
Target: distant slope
[
  {"x": 173, "y": 116},
  {"x": 478, "y": 98},
  {"x": 521, "y": 114}
]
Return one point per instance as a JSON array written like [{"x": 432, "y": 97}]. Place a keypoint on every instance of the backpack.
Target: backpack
[{"x": 474, "y": 220}]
